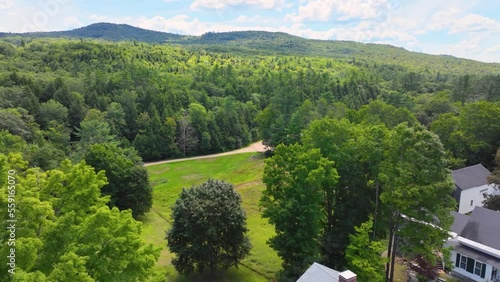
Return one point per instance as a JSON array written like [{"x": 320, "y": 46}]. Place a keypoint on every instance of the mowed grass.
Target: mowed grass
[{"x": 242, "y": 170}]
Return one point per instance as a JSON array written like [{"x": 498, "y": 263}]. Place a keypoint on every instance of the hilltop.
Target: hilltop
[
  {"x": 106, "y": 31},
  {"x": 274, "y": 43}
]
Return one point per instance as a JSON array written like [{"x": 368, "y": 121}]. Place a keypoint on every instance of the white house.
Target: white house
[
  {"x": 475, "y": 240},
  {"x": 471, "y": 186},
  {"x": 320, "y": 273}
]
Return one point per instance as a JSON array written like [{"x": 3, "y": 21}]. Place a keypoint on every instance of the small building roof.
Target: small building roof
[
  {"x": 483, "y": 226},
  {"x": 471, "y": 176},
  {"x": 319, "y": 273}
]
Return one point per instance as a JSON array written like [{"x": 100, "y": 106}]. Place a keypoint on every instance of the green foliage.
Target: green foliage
[
  {"x": 17, "y": 122},
  {"x": 10, "y": 143},
  {"x": 356, "y": 150},
  {"x": 128, "y": 185},
  {"x": 53, "y": 111},
  {"x": 93, "y": 130},
  {"x": 473, "y": 135},
  {"x": 297, "y": 182},
  {"x": 364, "y": 256},
  {"x": 66, "y": 231},
  {"x": 127, "y": 80},
  {"x": 219, "y": 92},
  {"x": 492, "y": 202},
  {"x": 378, "y": 112},
  {"x": 209, "y": 228},
  {"x": 495, "y": 175},
  {"x": 416, "y": 193}
]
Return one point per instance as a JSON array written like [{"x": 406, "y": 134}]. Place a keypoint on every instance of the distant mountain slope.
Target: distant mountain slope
[
  {"x": 106, "y": 31},
  {"x": 278, "y": 43},
  {"x": 269, "y": 43}
]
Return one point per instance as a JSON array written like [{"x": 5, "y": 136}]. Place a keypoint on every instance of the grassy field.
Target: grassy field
[{"x": 242, "y": 170}]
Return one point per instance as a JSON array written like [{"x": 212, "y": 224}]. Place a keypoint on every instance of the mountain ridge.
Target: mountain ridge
[{"x": 249, "y": 41}]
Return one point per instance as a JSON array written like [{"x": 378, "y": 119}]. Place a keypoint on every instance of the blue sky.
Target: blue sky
[{"x": 462, "y": 28}]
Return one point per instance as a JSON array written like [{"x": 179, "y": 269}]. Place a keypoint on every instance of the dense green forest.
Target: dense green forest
[{"x": 114, "y": 105}]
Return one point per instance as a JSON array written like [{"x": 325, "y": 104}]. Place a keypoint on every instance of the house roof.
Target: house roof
[
  {"x": 459, "y": 222},
  {"x": 471, "y": 176},
  {"x": 319, "y": 273},
  {"x": 470, "y": 252},
  {"x": 483, "y": 226}
]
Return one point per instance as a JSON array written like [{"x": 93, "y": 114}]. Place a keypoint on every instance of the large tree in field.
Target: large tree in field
[
  {"x": 209, "y": 228},
  {"x": 416, "y": 193},
  {"x": 298, "y": 182}
]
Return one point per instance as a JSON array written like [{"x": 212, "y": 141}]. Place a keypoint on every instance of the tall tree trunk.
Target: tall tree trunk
[
  {"x": 389, "y": 254},
  {"x": 393, "y": 257},
  {"x": 375, "y": 215}
]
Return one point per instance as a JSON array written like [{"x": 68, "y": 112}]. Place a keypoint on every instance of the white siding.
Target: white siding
[{"x": 475, "y": 196}]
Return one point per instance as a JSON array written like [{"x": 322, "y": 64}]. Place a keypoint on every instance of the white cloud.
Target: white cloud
[
  {"x": 101, "y": 18},
  {"x": 365, "y": 31},
  {"x": 223, "y": 4},
  {"x": 98, "y": 18},
  {"x": 454, "y": 21},
  {"x": 443, "y": 19},
  {"x": 184, "y": 24},
  {"x": 72, "y": 22},
  {"x": 177, "y": 24},
  {"x": 341, "y": 10},
  {"x": 472, "y": 47},
  {"x": 474, "y": 23},
  {"x": 6, "y": 4},
  {"x": 255, "y": 19},
  {"x": 494, "y": 49}
]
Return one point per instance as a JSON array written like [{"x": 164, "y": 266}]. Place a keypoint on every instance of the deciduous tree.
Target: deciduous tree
[
  {"x": 65, "y": 230},
  {"x": 209, "y": 228},
  {"x": 128, "y": 185},
  {"x": 298, "y": 182},
  {"x": 416, "y": 194},
  {"x": 364, "y": 256}
]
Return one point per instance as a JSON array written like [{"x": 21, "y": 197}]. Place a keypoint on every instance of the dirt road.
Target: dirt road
[{"x": 255, "y": 147}]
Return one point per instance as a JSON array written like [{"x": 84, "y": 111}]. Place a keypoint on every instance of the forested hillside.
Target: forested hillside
[
  {"x": 171, "y": 101},
  {"x": 115, "y": 105}
]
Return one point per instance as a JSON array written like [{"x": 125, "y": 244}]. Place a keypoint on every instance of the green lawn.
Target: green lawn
[{"x": 242, "y": 170}]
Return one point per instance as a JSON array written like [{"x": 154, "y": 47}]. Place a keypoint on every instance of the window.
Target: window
[
  {"x": 478, "y": 269},
  {"x": 471, "y": 265},
  {"x": 463, "y": 262},
  {"x": 471, "y": 202}
]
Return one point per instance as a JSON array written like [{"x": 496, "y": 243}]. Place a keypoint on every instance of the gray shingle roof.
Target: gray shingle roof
[
  {"x": 471, "y": 176},
  {"x": 483, "y": 226},
  {"x": 459, "y": 222},
  {"x": 319, "y": 273}
]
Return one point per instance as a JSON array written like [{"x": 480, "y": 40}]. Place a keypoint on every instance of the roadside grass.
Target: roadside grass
[
  {"x": 400, "y": 274},
  {"x": 242, "y": 170}
]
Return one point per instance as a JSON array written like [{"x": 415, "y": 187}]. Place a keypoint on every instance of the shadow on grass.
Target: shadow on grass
[{"x": 242, "y": 274}]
